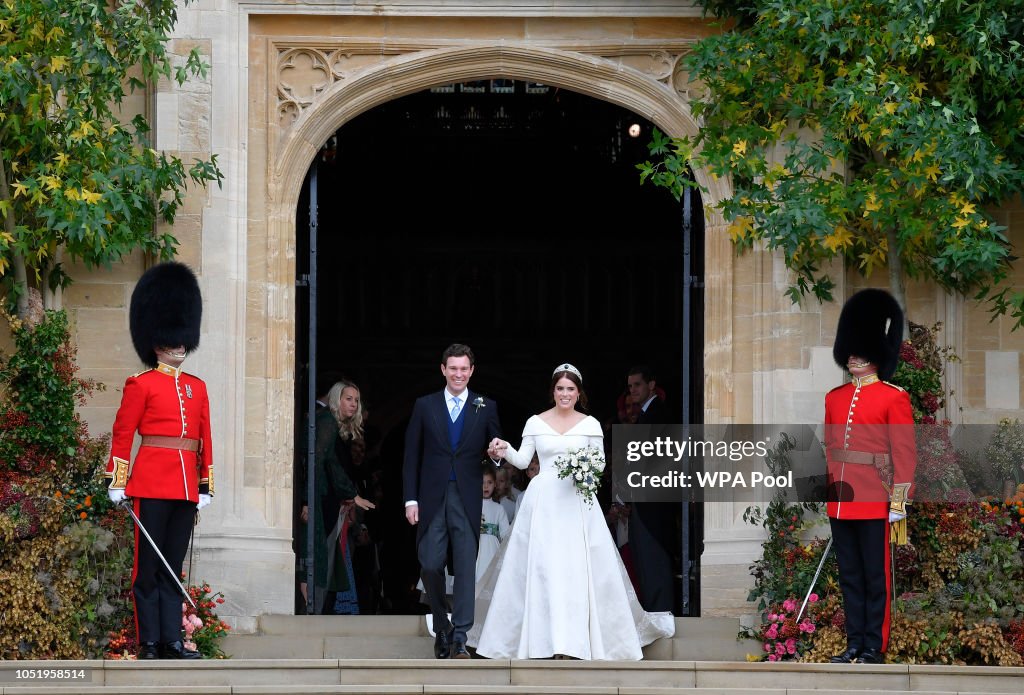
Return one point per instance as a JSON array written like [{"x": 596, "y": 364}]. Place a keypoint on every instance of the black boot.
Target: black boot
[
  {"x": 871, "y": 656},
  {"x": 847, "y": 657},
  {"x": 177, "y": 650},
  {"x": 147, "y": 650}
]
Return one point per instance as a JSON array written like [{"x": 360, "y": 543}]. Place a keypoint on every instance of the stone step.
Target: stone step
[
  {"x": 405, "y": 636},
  {"x": 480, "y": 676}
]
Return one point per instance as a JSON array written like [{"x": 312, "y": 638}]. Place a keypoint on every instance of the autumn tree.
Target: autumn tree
[
  {"x": 77, "y": 181},
  {"x": 879, "y": 132}
]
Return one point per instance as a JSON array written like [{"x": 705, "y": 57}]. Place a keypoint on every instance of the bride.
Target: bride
[{"x": 558, "y": 586}]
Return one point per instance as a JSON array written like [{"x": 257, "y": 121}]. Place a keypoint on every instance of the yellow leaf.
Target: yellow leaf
[
  {"x": 740, "y": 147},
  {"x": 932, "y": 172},
  {"x": 52, "y": 183},
  {"x": 62, "y": 160},
  {"x": 967, "y": 209},
  {"x": 929, "y": 40},
  {"x": 72, "y": 194},
  {"x": 91, "y": 197},
  {"x": 961, "y": 222},
  {"x": 19, "y": 189},
  {"x": 890, "y": 107},
  {"x": 740, "y": 228},
  {"x": 840, "y": 238},
  {"x": 871, "y": 204},
  {"x": 58, "y": 63}
]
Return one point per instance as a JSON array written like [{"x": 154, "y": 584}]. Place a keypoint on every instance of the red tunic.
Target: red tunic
[
  {"x": 875, "y": 418},
  {"x": 162, "y": 401}
]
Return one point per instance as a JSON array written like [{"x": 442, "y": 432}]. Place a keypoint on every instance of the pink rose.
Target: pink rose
[
  {"x": 814, "y": 598},
  {"x": 767, "y": 647},
  {"x": 773, "y": 631},
  {"x": 791, "y": 646},
  {"x": 772, "y": 657},
  {"x": 789, "y": 605}
]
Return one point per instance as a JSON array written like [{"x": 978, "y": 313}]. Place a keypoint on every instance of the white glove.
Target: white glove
[
  {"x": 896, "y": 516},
  {"x": 116, "y": 494},
  {"x": 203, "y": 501}
]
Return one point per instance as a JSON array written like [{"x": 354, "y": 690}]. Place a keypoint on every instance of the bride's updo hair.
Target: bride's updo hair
[{"x": 581, "y": 404}]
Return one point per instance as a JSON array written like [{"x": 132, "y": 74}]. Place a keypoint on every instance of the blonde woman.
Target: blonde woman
[{"x": 338, "y": 427}]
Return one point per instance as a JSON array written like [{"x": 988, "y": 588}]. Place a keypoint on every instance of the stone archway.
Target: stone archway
[
  {"x": 314, "y": 86},
  {"x": 316, "y": 103}
]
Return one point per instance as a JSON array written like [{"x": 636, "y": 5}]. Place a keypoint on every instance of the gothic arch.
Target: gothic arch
[{"x": 291, "y": 145}]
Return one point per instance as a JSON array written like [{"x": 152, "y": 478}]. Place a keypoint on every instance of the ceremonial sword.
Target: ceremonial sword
[
  {"x": 814, "y": 581},
  {"x": 177, "y": 582}
]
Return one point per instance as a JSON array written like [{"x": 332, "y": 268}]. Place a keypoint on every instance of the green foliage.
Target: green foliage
[
  {"x": 786, "y": 566},
  {"x": 73, "y": 177},
  {"x": 1005, "y": 452},
  {"x": 65, "y": 557},
  {"x": 872, "y": 132},
  {"x": 38, "y": 423}
]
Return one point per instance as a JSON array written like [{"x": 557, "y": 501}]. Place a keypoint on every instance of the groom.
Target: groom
[{"x": 447, "y": 435}]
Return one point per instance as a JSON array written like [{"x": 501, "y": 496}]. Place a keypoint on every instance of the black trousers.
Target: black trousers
[
  {"x": 450, "y": 526},
  {"x": 157, "y": 597},
  {"x": 861, "y": 548}
]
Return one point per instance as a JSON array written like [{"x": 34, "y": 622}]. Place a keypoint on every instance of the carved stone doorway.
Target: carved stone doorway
[{"x": 505, "y": 214}]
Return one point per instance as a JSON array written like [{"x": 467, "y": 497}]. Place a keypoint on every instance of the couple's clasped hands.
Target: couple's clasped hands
[{"x": 497, "y": 448}]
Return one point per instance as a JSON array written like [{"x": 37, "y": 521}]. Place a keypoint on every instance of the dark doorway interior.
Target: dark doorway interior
[{"x": 508, "y": 216}]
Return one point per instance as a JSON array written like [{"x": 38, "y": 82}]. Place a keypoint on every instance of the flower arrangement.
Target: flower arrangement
[
  {"x": 478, "y": 402},
  {"x": 202, "y": 629},
  {"x": 782, "y": 636},
  {"x": 584, "y": 467}
]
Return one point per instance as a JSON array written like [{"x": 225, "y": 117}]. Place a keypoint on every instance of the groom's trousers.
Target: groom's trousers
[{"x": 450, "y": 526}]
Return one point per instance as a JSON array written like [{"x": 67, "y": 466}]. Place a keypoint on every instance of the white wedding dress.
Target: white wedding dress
[{"x": 557, "y": 584}]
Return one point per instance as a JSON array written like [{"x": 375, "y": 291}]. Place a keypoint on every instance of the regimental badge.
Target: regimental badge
[{"x": 188, "y": 390}]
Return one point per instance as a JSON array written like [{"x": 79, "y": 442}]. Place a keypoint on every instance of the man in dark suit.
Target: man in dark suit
[
  {"x": 652, "y": 525},
  {"x": 447, "y": 435}
]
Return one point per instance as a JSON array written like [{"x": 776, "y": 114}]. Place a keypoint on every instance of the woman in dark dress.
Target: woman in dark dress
[{"x": 337, "y": 427}]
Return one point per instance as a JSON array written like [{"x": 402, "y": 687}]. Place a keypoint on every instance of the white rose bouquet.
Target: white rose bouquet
[{"x": 584, "y": 467}]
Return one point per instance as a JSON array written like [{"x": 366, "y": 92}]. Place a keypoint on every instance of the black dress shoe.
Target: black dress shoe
[
  {"x": 177, "y": 650},
  {"x": 871, "y": 656},
  {"x": 459, "y": 650},
  {"x": 847, "y": 657},
  {"x": 147, "y": 650},
  {"x": 442, "y": 645}
]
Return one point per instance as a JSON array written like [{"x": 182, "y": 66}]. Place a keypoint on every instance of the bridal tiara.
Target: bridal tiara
[{"x": 566, "y": 367}]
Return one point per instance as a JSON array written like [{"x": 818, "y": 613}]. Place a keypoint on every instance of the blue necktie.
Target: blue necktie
[{"x": 455, "y": 408}]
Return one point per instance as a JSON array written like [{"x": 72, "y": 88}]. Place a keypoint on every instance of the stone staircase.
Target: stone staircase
[{"x": 325, "y": 655}]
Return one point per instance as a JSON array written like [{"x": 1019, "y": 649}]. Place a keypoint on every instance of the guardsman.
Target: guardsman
[
  {"x": 172, "y": 474},
  {"x": 871, "y": 452}
]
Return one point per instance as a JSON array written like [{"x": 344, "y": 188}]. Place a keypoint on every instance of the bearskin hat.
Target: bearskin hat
[
  {"x": 870, "y": 326},
  {"x": 165, "y": 311}
]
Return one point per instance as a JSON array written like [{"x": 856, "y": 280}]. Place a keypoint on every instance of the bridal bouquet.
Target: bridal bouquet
[{"x": 584, "y": 467}]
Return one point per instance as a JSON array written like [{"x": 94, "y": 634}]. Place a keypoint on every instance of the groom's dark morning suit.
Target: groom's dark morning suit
[
  {"x": 442, "y": 473},
  {"x": 652, "y": 532}
]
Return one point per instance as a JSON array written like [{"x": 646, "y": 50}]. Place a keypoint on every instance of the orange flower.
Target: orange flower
[
  {"x": 57, "y": 495},
  {"x": 83, "y": 515},
  {"x": 88, "y": 501}
]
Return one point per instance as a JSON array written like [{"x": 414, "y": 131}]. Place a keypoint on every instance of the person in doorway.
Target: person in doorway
[
  {"x": 494, "y": 522},
  {"x": 447, "y": 435},
  {"x": 872, "y": 453},
  {"x": 652, "y": 525},
  {"x": 341, "y": 420},
  {"x": 172, "y": 475}
]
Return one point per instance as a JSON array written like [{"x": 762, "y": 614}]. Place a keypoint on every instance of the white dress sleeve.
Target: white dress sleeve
[
  {"x": 591, "y": 428},
  {"x": 521, "y": 458}
]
